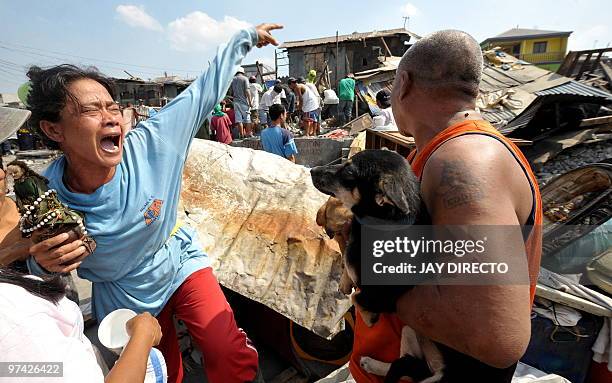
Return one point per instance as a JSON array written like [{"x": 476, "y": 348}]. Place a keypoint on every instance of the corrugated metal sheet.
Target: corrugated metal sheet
[
  {"x": 497, "y": 116},
  {"x": 352, "y": 37},
  {"x": 575, "y": 88},
  {"x": 522, "y": 119}
]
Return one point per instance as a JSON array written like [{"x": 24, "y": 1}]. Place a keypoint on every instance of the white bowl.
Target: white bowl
[{"x": 112, "y": 332}]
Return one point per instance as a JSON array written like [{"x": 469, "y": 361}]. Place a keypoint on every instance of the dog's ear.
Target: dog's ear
[{"x": 392, "y": 192}]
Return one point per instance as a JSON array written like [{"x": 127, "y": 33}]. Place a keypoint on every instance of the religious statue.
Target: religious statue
[{"x": 43, "y": 216}]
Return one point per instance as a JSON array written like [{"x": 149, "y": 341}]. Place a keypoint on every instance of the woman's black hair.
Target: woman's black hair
[
  {"x": 51, "y": 288},
  {"x": 49, "y": 93}
]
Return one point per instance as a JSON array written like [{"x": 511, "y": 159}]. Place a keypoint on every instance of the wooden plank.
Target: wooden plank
[
  {"x": 572, "y": 301},
  {"x": 585, "y": 63},
  {"x": 521, "y": 142},
  {"x": 607, "y": 71},
  {"x": 596, "y": 121},
  {"x": 386, "y": 46}
]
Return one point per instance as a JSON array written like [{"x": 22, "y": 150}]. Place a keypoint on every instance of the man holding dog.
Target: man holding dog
[{"x": 470, "y": 175}]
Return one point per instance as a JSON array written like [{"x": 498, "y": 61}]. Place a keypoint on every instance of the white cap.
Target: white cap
[{"x": 240, "y": 70}]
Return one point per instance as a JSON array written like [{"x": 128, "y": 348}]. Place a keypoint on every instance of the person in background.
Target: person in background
[
  {"x": 228, "y": 108},
  {"x": 278, "y": 140},
  {"x": 142, "y": 111},
  {"x": 283, "y": 94},
  {"x": 38, "y": 323},
  {"x": 242, "y": 103},
  {"x": 269, "y": 98},
  {"x": 5, "y": 148},
  {"x": 13, "y": 248},
  {"x": 220, "y": 126},
  {"x": 312, "y": 76},
  {"x": 129, "y": 117},
  {"x": 290, "y": 103},
  {"x": 254, "y": 91},
  {"x": 383, "y": 101},
  {"x": 308, "y": 102},
  {"x": 313, "y": 88},
  {"x": 346, "y": 94}
]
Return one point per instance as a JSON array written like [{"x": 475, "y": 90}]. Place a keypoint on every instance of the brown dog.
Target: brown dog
[{"x": 335, "y": 218}]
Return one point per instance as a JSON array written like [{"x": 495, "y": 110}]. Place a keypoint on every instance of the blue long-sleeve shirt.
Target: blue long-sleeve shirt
[{"x": 137, "y": 263}]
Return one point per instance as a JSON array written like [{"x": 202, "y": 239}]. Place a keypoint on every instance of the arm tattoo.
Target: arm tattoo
[{"x": 457, "y": 186}]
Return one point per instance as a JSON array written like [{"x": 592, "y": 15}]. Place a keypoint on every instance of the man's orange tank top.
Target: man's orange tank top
[{"x": 382, "y": 341}]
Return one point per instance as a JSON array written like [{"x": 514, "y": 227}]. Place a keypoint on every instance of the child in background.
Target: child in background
[{"x": 220, "y": 126}]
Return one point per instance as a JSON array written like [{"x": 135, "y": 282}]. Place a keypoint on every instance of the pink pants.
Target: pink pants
[{"x": 228, "y": 354}]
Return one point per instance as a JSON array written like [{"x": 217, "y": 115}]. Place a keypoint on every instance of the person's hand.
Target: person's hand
[
  {"x": 60, "y": 254},
  {"x": 263, "y": 34},
  {"x": 145, "y": 325}
]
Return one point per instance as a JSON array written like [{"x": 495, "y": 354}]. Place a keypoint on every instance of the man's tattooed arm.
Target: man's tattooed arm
[{"x": 457, "y": 185}]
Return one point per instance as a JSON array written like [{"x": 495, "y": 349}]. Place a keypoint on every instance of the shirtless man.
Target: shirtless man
[
  {"x": 308, "y": 102},
  {"x": 470, "y": 175}
]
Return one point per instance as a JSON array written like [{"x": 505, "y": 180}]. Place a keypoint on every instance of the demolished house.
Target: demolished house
[
  {"x": 154, "y": 93},
  {"x": 519, "y": 99},
  {"x": 343, "y": 54},
  {"x": 590, "y": 67}
]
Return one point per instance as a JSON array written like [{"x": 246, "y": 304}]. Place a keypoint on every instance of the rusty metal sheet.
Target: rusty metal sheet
[{"x": 255, "y": 214}]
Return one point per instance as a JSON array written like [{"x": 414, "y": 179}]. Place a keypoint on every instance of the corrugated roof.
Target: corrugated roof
[
  {"x": 575, "y": 88},
  {"x": 355, "y": 36},
  {"x": 519, "y": 33}
]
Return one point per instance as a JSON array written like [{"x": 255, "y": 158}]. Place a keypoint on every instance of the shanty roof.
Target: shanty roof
[
  {"x": 9, "y": 98},
  {"x": 522, "y": 33},
  {"x": 575, "y": 88},
  {"x": 355, "y": 36}
]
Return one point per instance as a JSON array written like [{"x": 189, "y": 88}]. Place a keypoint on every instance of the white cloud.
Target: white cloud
[
  {"x": 596, "y": 36},
  {"x": 409, "y": 10},
  {"x": 137, "y": 17},
  {"x": 199, "y": 32}
]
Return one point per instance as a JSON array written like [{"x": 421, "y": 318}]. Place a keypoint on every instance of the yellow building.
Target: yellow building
[{"x": 546, "y": 49}]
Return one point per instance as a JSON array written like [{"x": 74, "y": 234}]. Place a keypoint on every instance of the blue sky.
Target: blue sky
[{"x": 145, "y": 38}]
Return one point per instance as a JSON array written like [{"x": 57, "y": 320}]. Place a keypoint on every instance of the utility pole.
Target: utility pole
[
  {"x": 406, "y": 20},
  {"x": 337, "y": 79}
]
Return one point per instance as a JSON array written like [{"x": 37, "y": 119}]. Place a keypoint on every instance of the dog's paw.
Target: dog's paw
[{"x": 367, "y": 364}]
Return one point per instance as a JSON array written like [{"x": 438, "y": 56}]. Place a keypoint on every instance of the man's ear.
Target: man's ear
[
  {"x": 392, "y": 192},
  {"x": 406, "y": 83},
  {"x": 52, "y": 130}
]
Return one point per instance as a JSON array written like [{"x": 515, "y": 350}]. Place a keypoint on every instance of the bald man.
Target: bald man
[{"x": 470, "y": 175}]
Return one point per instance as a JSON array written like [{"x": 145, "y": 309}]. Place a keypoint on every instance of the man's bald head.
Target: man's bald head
[{"x": 448, "y": 59}]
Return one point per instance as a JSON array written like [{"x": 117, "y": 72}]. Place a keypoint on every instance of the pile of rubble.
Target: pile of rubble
[{"x": 574, "y": 157}]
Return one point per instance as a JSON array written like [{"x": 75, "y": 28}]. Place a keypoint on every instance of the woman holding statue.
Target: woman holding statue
[{"x": 128, "y": 188}]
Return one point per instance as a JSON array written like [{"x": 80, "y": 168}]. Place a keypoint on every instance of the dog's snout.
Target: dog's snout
[{"x": 322, "y": 177}]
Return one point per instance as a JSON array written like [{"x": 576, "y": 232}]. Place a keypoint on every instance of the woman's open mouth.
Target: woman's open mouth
[{"x": 110, "y": 143}]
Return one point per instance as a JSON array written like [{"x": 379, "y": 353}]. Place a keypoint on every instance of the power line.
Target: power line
[
  {"x": 100, "y": 60},
  {"x": 61, "y": 60},
  {"x": 16, "y": 71}
]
